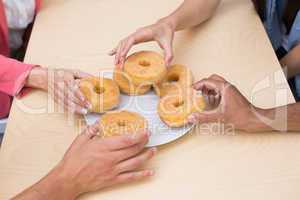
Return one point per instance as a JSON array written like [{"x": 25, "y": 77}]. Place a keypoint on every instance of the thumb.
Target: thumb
[
  {"x": 86, "y": 135},
  {"x": 92, "y": 130},
  {"x": 204, "y": 117},
  {"x": 166, "y": 45},
  {"x": 168, "y": 55},
  {"x": 80, "y": 74}
]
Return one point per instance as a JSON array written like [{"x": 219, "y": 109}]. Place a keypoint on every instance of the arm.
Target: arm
[
  {"x": 13, "y": 75},
  {"x": 284, "y": 118},
  {"x": 232, "y": 108},
  {"x": 107, "y": 162},
  {"x": 190, "y": 13},
  {"x": 292, "y": 62},
  {"x": 51, "y": 187},
  {"x": 61, "y": 84}
]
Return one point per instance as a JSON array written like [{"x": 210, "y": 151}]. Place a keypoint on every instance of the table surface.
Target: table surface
[{"x": 203, "y": 164}]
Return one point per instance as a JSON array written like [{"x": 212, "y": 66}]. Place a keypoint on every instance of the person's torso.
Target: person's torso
[
  {"x": 282, "y": 33},
  {"x": 19, "y": 14}
]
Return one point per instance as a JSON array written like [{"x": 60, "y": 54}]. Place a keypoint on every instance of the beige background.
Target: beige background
[{"x": 202, "y": 165}]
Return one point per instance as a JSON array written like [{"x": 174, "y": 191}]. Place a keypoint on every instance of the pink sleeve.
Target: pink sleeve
[{"x": 13, "y": 75}]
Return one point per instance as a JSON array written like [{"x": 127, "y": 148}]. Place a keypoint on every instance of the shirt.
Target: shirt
[{"x": 19, "y": 14}]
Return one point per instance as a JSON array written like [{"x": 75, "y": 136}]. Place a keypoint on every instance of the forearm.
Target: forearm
[
  {"x": 284, "y": 118},
  {"x": 292, "y": 62},
  {"x": 51, "y": 187},
  {"x": 191, "y": 13}
]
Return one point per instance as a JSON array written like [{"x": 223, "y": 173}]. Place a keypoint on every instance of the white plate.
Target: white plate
[{"x": 146, "y": 105}]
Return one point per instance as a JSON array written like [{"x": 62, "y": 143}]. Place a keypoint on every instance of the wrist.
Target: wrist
[
  {"x": 56, "y": 185},
  {"x": 257, "y": 121},
  {"x": 37, "y": 78},
  {"x": 169, "y": 22}
]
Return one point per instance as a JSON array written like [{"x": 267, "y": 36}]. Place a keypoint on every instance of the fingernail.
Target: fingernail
[{"x": 84, "y": 111}]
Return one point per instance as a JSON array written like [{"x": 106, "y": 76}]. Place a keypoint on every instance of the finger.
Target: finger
[
  {"x": 120, "y": 58},
  {"x": 113, "y": 52},
  {"x": 58, "y": 95},
  {"x": 168, "y": 51},
  {"x": 92, "y": 130},
  {"x": 64, "y": 100},
  {"x": 217, "y": 78},
  {"x": 209, "y": 84},
  {"x": 73, "y": 93},
  {"x": 74, "y": 99},
  {"x": 126, "y": 141},
  {"x": 135, "y": 162},
  {"x": 78, "y": 74},
  {"x": 75, "y": 108},
  {"x": 80, "y": 99},
  {"x": 205, "y": 90},
  {"x": 168, "y": 55},
  {"x": 87, "y": 134},
  {"x": 131, "y": 151},
  {"x": 124, "y": 51},
  {"x": 117, "y": 56},
  {"x": 211, "y": 100},
  {"x": 80, "y": 140},
  {"x": 133, "y": 176},
  {"x": 204, "y": 117}
]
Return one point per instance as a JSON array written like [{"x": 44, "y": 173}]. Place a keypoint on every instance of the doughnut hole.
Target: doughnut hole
[
  {"x": 121, "y": 123},
  {"x": 99, "y": 90},
  {"x": 144, "y": 63},
  {"x": 173, "y": 79},
  {"x": 178, "y": 104}
]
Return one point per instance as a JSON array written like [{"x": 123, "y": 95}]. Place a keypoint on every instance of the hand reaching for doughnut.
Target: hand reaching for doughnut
[
  {"x": 62, "y": 85},
  {"x": 93, "y": 163},
  {"x": 229, "y": 105},
  {"x": 161, "y": 32}
]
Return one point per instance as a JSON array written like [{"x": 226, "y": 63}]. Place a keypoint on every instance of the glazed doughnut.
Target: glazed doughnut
[
  {"x": 121, "y": 122},
  {"x": 145, "y": 66},
  {"x": 102, "y": 93},
  {"x": 174, "y": 109},
  {"x": 177, "y": 80},
  {"x": 126, "y": 86}
]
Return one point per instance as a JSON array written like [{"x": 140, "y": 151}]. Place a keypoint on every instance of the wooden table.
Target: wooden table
[{"x": 201, "y": 165}]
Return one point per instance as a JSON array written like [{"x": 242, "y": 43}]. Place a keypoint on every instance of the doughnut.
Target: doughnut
[
  {"x": 102, "y": 93},
  {"x": 177, "y": 79},
  {"x": 145, "y": 66},
  {"x": 117, "y": 123},
  {"x": 173, "y": 110},
  {"x": 126, "y": 86}
]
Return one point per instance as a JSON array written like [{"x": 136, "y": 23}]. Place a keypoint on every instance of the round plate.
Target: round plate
[{"x": 146, "y": 105}]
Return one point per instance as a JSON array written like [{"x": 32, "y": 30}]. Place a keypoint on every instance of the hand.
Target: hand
[
  {"x": 161, "y": 32},
  {"x": 230, "y": 106},
  {"x": 93, "y": 163},
  {"x": 62, "y": 85}
]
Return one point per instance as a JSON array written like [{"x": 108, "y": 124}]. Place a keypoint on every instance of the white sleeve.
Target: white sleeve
[{"x": 19, "y": 13}]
